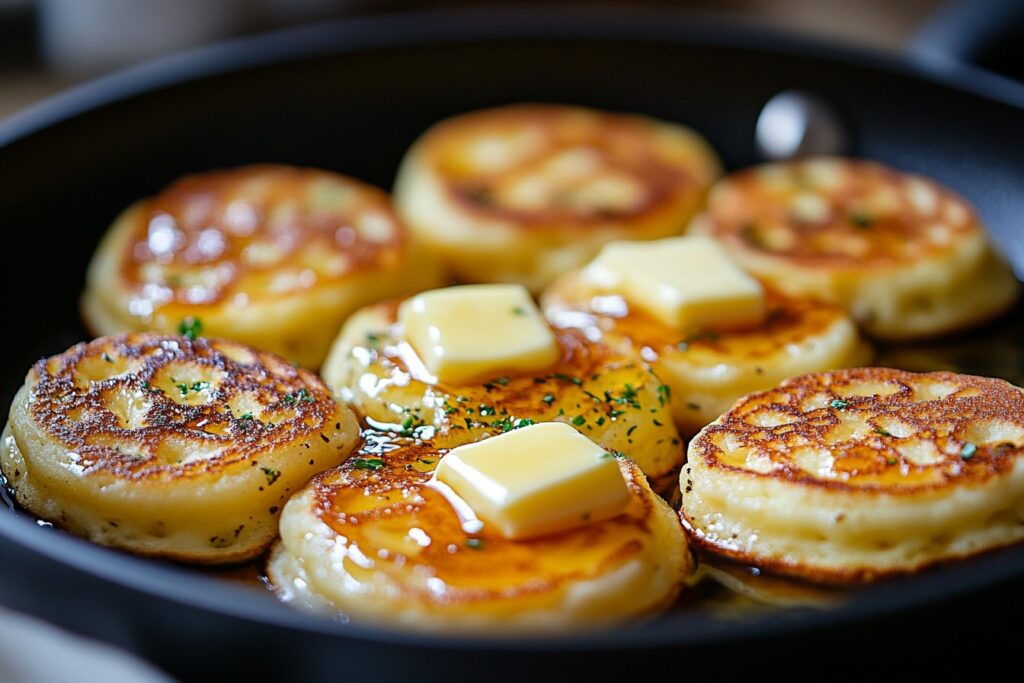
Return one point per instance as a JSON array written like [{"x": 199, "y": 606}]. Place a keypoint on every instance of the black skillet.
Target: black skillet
[{"x": 351, "y": 96}]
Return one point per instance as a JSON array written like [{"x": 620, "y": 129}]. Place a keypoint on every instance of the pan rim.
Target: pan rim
[{"x": 447, "y": 26}]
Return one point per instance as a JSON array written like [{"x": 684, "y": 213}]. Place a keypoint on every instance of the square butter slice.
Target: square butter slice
[
  {"x": 687, "y": 283},
  {"x": 477, "y": 332},
  {"x": 536, "y": 480}
]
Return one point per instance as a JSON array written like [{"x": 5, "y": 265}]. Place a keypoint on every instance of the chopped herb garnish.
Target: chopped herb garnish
[
  {"x": 300, "y": 395},
  {"x": 891, "y": 461},
  {"x": 519, "y": 310},
  {"x": 502, "y": 381},
  {"x": 882, "y": 432},
  {"x": 629, "y": 432},
  {"x": 579, "y": 420},
  {"x": 272, "y": 474},
  {"x": 106, "y": 357},
  {"x": 475, "y": 543},
  {"x": 373, "y": 339},
  {"x": 246, "y": 417},
  {"x": 967, "y": 452},
  {"x": 425, "y": 461},
  {"x": 657, "y": 424},
  {"x": 693, "y": 406},
  {"x": 548, "y": 398},
  {"x": 861, "y": 219},
  {"x": 568, "y": 378},
  {"x": 190, "y": 328},
  {"x": 373, "y": 464},
  {"x": 664, "y": 394},
  {"x": 195, "y": 386},
  {"x": 839, "y": 404}
]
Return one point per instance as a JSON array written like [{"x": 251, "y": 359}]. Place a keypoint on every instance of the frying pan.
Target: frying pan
[{"x": 351, "y": 96}]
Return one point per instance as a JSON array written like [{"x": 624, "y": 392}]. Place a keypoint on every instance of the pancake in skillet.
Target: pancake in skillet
[
  {"x": 613, "y": 398},
  {"x": 907, "y": 257},
  {"x": 522, "y": 193},
  {"x": 707, "y": 371},
  {"x": 272, "y": 256},
  {"x": 375, "y": 540},
  {"x": 170, "y": 447},
  {"x": 858, "y": 474}
]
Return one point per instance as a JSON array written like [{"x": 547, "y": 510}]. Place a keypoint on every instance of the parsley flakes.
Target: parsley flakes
[{"x": 190, "y": 328}]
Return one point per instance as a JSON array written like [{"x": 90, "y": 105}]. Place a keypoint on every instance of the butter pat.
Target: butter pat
[
  {"x": 477, "y": 331},
  {"x": 536, "y": 480},
  {"x": 687, "y": 283}
]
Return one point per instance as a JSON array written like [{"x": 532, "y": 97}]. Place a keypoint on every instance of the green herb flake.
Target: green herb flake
[
  {"x": 568, "y": 378},
  {"x": 475, "y": 543},
  {"x": 579, "y": 420},
  {"x": 372, "y": 464},
  {"x": 861, "y": 219},
  {"x": 664, "y": 394},
  {"x": 882, "y": 432},
  {"x": 518, "y": 310},
  {"x": 106, "y": 357},
  {"x": 968, "y": 451},
  {"x": 272, "y": 474},
  {"x": 839, "y": 404},
  {"x": 190, "y": 328},
  {"x": 548, "y": 399}
]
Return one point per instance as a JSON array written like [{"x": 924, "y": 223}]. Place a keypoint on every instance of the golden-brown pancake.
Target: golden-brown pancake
[
  {"x": 375, "y": 540},
  {"x": 613, "y": 398},
  {"x": 906, "y": 256},
  {"x": 708, "y": 371},
  {"x": 170, "y": 447},
  {"x": 859, "y": 474},
  {"x": 522, "y": 193},
  {"x": 272, "y": 256}
]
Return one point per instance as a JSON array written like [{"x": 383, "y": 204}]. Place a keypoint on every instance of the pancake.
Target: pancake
[
  {"x": 859, "y": 474},
  {"x": 708, "y": 371},
  {"x": 377, "y": 542},
  {"x": 170, "y": 447},
  {"x": 614, "y": 399},
  {"x": 272, "y": 256},
  {"x": 906, "y": 256},
  {"x": 522, "y": 193}
]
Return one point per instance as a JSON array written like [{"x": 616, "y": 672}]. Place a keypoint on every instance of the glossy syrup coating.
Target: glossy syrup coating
[
  {"x": 275, "y": 256},
  {"x": 613, "y": 398},
  {"x": 707, "y": 370},
  {"x": 379, "y": 540},
  {"x": 170, "y": 446},
  {"x": 860, "y": 473}
]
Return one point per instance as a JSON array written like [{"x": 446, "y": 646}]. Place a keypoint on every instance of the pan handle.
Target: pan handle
[{"x": 976, "y": 33}]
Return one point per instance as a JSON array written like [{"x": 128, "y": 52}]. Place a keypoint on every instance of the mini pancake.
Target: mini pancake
[
  {"x": 272, "y": 256},
  {"x": 614, "y": 399},
  {"x": 522, "y": 193},
  {"x": 170, "y": 447},
  {"x": 707, "y": 371},
  {"x": 907, "y": 257},
  {"x": 376, "y": 541},
  {"x": 859, "y": 474}
]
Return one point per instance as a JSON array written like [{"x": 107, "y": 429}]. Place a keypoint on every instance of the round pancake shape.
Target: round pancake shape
[
  {"x": 859, "y": 474},
  {"x": 272, "y": 256},
  {"x": 524, "y": 192},
  {"x": 374, "y": 540},
  {"x": 170, "y": 447},
  {"x": 707, "y": 372},
  {"x": 612, "y": 398},
  {"x": 906, "y": 256}
]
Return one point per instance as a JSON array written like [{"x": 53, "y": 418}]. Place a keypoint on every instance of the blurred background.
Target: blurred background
[{"x": 47, "y": 45}]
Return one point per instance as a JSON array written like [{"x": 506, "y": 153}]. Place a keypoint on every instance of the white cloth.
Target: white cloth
[{"x": 32, "y": 651}]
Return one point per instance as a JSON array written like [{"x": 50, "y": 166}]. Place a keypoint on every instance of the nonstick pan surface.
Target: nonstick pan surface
[{"x": 352, "y": 96}]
